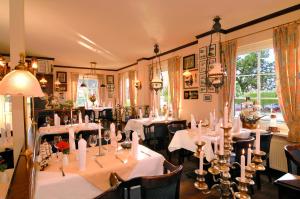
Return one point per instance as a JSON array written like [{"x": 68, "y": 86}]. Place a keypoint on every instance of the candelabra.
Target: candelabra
[{"x": 220, "y": 171}]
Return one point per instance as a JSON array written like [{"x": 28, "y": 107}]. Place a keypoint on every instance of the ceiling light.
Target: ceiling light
[{"x": 157, "y": 83}]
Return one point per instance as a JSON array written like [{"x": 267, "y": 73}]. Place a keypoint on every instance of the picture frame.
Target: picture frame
[
  {"x": 211, "y": 63},
  {"x": 63, "y": 87},
  {"x": 212, "y": 51},
  {"x": 202, "y": 52},
  {"x": 189, "y": 62},
  {"x": 109, "y": 79},
  {"x": 202, "y": 66},
  {"x": 203, "y": 89},
  {"x": 191, "y": 94},
  {"x": 202, "y": 80},
  {"x": 61, "y": 76},
  {"x": 110, "y": 94},
  {"x": 211, "y": 89},
  {"x": 191, "y": 81},
  {"x": 207, "y": 97},
  {"x": 186, "y": 94}
]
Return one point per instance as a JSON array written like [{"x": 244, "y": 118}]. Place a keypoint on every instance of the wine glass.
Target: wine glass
[
  {"x": 107, "y": 137},
  {"x": 119, "y": 138},
  {"x": 74, "y": 119},
  {"x": 93, "y": 140},
  {"x": 66, "y": 118},
  {"x": 56, "y": 140},
  {"x": 47, "y": 120}
]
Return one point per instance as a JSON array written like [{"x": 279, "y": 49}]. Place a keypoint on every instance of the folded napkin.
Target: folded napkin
[
  {"x": 82, "y": 154},
  {"x": 135, "y": 144},
  {"x": 211, "y": 121},
  {"x": 80, "y": 117},
  {"x": 86, "y": 119},
  {"x": 140, "y": 113},
  {"x": 199, "y": 131},
  {"x": 113, "y": 139},
  {"x": 56, "y": 120},
  {"x": 193, "y": 122},
  {"x": 72, "y": 139},
  {"x": 151, "y": 116}
]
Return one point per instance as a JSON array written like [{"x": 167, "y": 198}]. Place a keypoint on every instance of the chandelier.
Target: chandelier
[
  {"x": 156, "y": 83},
  {"x": 215, "y": 77}
]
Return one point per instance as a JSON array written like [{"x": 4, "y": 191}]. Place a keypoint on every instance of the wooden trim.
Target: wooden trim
[
  {"x": 84, "y": 68},
  {"x": 30, "y": 56}
]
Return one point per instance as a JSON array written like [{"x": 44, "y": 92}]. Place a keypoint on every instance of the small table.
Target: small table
[{"x": 288, "y": 186}]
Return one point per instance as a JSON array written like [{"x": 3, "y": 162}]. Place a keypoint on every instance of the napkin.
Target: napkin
[
  {"x": 151, "y": 116},
  {"x": 156, "y": 113},
  {"x": 199, "y": 131},
  {"x": 167, "y": 115},
  {"x": 56, "y": 120},
  {"x": 86, "y": 119},
  {"x": 113, "y": 139},
  {"x": 82, "y": 154},
  {"x": 209, "y": 153},
  {"x": 72, "y": 139},
  {"x": 135, "y": 144},
  {"x": 80, "y": 117},
  {"x": 193, "y": 122},
  {"x": 211, "y": 121},
  {"x": 140, "y": 114}
]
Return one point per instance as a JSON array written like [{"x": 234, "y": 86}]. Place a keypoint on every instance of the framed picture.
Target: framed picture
[
  {"x": 186, "y": 94},
  {"x": 207, "y": 97},
  {"x": 110, "y": 94},
  {"x": 212, "y": 51},
  {"x": 211, "y": 89},
  {"x": 191, "y": 81},
  {"x": 211, "y": 62},
  {"x": 63, "y": 87},
  {"x": 203, "y": 89},
  {"x": 202, "y": 66},
  {"x": 189, "y": 62},
  {"x": 202, "y": 80},
  {"x": 109, "y": 79},
  {"x": 202, "y": 52},
  {"x": 61, "y": 76},
  {"x": 193, "y": 94}
]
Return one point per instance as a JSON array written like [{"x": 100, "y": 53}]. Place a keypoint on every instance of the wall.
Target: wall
[
  {"x": 85, "y": 71},
  {"x": 198, "y": 107}
]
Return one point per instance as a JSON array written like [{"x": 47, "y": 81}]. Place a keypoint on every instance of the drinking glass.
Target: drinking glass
[
  {"x": 93, "y": 140},
  {"x": 74, "y": 119},
  {"x": 47, "y": 119},
  {"x": 66, "y": 118},
  {"x": 107, "y": 137},
  {"x": 56, "y": 140}
]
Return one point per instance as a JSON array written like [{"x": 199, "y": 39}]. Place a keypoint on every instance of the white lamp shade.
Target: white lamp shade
[{"x": 20, "y": 83}]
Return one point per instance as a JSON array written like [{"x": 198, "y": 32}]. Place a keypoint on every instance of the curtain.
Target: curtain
[
  {"x": 101, "y": 90},
  {"x": 121, "y": 89},
  {"x": 132, "y": 92},
  {"x": 174, "y": 84},
  {"x": 228, "y": 60},
  {"x": 287, "y": 67},
  {"x": 74, "y": 85}
]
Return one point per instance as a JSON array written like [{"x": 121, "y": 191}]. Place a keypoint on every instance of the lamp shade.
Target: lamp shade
[{"x": 20, "y": 83}]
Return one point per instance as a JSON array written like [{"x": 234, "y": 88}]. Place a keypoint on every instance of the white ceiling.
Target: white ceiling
[{"x": 116, "y": 33}]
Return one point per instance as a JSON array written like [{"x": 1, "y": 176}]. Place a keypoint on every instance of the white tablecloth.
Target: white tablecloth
[
  {"x": 51, "y": 185},
  {"x": 186, "y": 139},
  {"x": 137, "y": 124},
  {"x": 65, "y": 128}
]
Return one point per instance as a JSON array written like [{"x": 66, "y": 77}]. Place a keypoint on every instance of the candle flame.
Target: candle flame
[
  {"x": 243, "y": 151},
  {"x": 249, "y": 145}
]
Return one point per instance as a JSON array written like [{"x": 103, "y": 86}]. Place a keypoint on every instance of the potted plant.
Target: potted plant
[
  {"x": 249, "y": 114},
  {"x": 92, "y": 98}
]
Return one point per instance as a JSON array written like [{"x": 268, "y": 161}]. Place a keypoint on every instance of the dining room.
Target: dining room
[{"x": 143, "y": 99}]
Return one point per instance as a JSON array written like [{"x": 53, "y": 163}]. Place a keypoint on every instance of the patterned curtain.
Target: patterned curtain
[
  {"x": 287, "y": 66},
  {"x": 132, "y": 89},
  {"x": 228, "y": 59},
  {"x": 74, "y": 85},
  {"x": 174, "y": 84}
]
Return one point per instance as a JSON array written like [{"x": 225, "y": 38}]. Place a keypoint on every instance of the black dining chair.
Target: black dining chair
[
  {"x": 292, "y": 153},
  {"x": 156, "y": 136},
  {"x": 166, "y": 186}
]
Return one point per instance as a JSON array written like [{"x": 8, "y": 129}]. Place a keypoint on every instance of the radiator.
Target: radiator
[{"x": 277, "y": 155}]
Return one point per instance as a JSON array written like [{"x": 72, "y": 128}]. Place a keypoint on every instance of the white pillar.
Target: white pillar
[{"x": 17, "y": 46}]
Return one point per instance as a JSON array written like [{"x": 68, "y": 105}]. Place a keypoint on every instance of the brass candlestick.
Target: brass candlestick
[
  {"x": 199, "y": 148},
  {"x": 200, "y": 183},
  {"x": 257, "y": 161},
  {"x": 249, "y": 174},
  {"x": 243, "y": 189}
]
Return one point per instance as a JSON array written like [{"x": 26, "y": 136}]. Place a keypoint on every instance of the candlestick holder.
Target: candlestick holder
[
  {"x": 257, "y": 161},
  {"x": 243, "y": 189},
  {"x": 199, "y": 148},
  {"x": 200, "y": 184},
  {"x": 249, "y": 174}
]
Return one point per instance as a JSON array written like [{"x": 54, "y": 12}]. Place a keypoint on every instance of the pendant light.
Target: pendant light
[{"x": 157, "y": 83}]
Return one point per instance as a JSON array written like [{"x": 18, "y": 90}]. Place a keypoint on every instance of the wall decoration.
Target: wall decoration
[
  {"x": 202, "y": 80},
  {"x": 203, "y": 89},
  {"x": 189, "y": 62},
  {"x": 109, "y": 79},
  {"x": 193, "y": 94},
  {"x": 211, "y": 63},
  {"x": 61, "y": 76},
  {"x": 211, "y": 89},
  {"x": 191, "y": 81},
  {"x": 110, "y": 94},
  {"x": 212, "y": 51},
  {"x": 202, "y": 66},
  {"x": 202, "y": 53},
  {"x": 207, "y": 97},
  {"x": 63, "y": 87}
]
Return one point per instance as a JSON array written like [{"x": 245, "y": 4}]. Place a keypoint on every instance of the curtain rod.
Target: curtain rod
[{"x": 295, "y": 21}]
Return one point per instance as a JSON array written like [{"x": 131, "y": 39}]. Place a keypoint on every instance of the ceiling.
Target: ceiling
[{"x": 115, "y": 33}]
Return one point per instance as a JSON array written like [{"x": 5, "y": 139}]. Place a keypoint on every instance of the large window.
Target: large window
[
  {"x": 255, "y": 78},
  {"x": 164, "y": 93},
  {"x": 83, "y": 93}
]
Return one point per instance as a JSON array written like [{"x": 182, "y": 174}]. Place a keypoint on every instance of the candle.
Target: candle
[
  {"x": 226, "y": 115},
  {"x": 249, "y": 155},
  {"x": 199, "y": 131},
  {"x": 215, "y": 146},
  {"x": 99, "y": 131},
  {"x": 222, "y": 142},
  {"x": 243, "y": 166},
  {"x": 257, "y": 141},
  {"x": 201, "y": 162},
  {"x": 71, "y": 116}
]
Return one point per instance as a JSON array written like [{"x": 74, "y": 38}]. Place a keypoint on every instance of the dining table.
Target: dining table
[
  {"x": 68, "y": 181},
  {"x": 138, "y": 124}
]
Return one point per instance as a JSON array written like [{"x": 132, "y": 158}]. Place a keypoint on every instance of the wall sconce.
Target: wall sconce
[
  {"x": 57, "y": 84},
  {"x": 34, "y": 64},
  {"x": 43, "y": 82},
  {"x": 187, "y": 73},
  {"x": 137, "y": 84},
  {"x": 215, "y": 77}
]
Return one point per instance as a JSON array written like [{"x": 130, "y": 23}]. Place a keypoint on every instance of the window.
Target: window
[
  {"x": 5, "y": 112},
  {"x": 127, "y": 94},
  {"x": 164, "y": 93},
  {"x": 83, "y": 93},
  {"x": 255, "y": 78}
]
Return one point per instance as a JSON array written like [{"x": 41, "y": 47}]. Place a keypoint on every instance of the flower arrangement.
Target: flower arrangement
[
  {"x": 249, "y": 114},
  {"x": 92, "y": 98},
  {"x": 3, "y": 165},
  {"x": 64, "y": 147}
]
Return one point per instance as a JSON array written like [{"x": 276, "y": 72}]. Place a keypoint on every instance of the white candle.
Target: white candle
[
  {"x": 201, "y": 162},
  {"x": 222, "y": 142},
  {"x": 249, "y": 155},
  {"x": 199, "y": 131},
  {"x": 226, "y": 115},
  {"x": 215, "y": 146},
  {"x": 243, "y": 166},
  {"x": 71, "y": 119},
  {"x": 257, "y": 141},
  {"x": 99, "y": 131}
]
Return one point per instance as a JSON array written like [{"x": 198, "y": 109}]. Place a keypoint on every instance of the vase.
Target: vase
[{"x": 65, "y": 160}]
